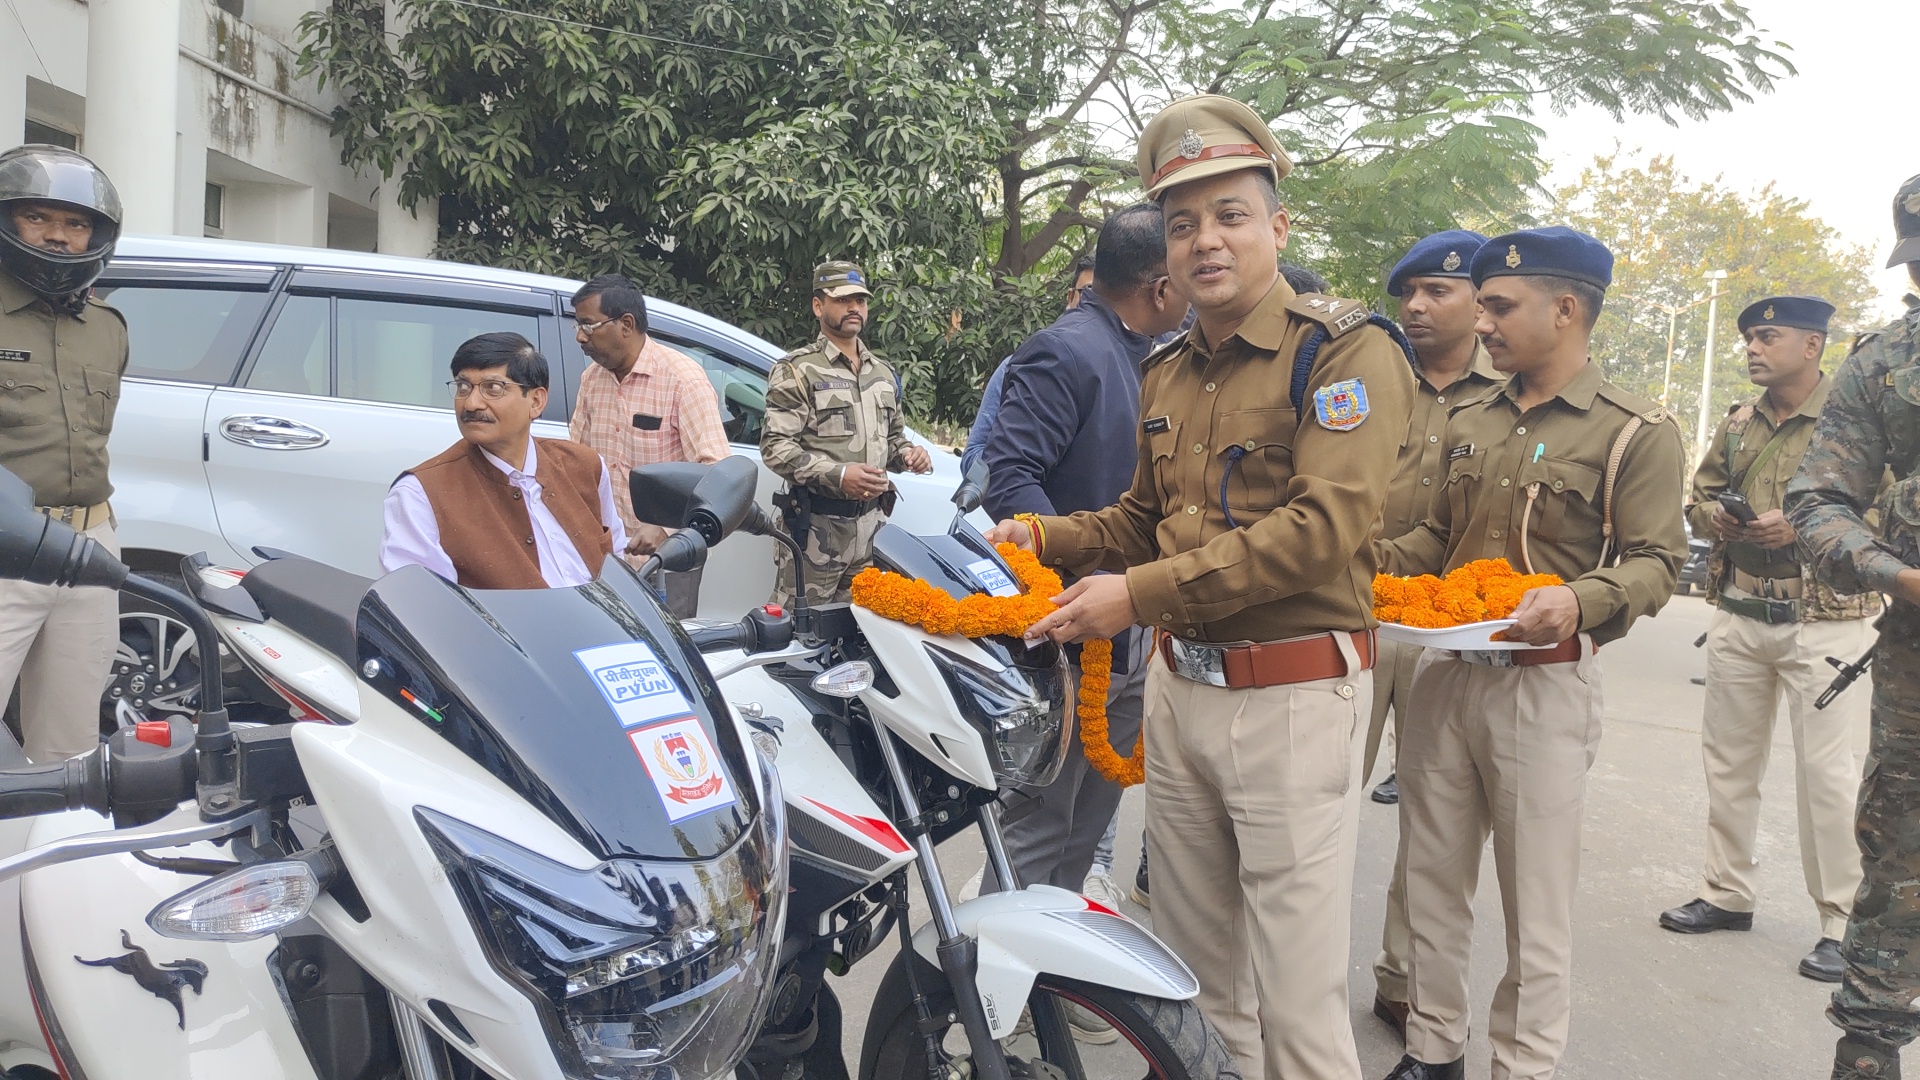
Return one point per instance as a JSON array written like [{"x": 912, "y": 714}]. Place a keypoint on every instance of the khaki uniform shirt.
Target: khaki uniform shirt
[
  {"x": 821, "y": 415},
  {"x": 59, "y": 385},
  {"x": 1729, "y": 465},
  {"x": 1303, "y": 497},
  {"x": 1420, "y": 473},
  {"x": 1558, "y": 451}
]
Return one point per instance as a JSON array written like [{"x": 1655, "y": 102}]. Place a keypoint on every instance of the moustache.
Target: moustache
[{"x": 470, "y": 417}]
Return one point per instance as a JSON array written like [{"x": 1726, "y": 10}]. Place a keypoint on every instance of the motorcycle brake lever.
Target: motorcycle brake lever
[{"x": 120, "y": 841}]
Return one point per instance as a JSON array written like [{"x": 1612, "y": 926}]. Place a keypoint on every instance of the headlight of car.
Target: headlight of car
[
  {"x": 1020, "y": 712},
  {"x": 639, "y": 970}
]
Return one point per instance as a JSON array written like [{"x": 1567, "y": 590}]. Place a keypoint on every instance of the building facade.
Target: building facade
[{"x": 197, "y": 110}]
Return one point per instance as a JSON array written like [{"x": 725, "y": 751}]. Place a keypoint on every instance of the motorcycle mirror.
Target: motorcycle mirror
[
  {"x": 712, "y": 500},
  {"x": 34, "y": 547},
  {"x": 683, "y": 551},
  {"x": 973, "y": 488}
]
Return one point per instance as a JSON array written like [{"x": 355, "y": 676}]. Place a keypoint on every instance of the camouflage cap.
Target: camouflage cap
[
  {"x": 1906, "y": 223},
  {"x": 840, "y": 278},
  {"x": 1206, "y": 135}
]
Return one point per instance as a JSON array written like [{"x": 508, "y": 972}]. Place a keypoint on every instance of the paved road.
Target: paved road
[{"x": 1647, "y": 1003}]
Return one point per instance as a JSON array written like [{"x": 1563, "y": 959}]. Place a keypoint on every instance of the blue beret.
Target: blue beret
[
  {"x": 1799, "y": 312},
  {"x": 1444, "y": 254},
  {"x": 1556, "y": 250}
]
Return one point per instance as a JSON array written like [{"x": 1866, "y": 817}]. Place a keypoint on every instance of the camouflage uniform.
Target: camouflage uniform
[
  {"x": 821, "y": 416},
  {"x": 1871, "y": 423}
]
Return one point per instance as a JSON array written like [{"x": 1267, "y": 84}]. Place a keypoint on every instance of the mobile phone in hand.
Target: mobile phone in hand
[{"x": 1737, "y": 507}]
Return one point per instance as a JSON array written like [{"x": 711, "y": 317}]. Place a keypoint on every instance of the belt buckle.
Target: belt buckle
[
  {"x": 62, "y": 514},
  {"x": 1488, "y": 657},
  {"x": 1200, "y": 663}
]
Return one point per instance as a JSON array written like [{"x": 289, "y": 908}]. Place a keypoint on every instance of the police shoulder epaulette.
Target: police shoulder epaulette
[
  {"x": 1647, "y": 410},
  {"x": 1739, "y": 416},
  {"x": 1332, "y": 312},
  {"x": 1161, "y": 352}
]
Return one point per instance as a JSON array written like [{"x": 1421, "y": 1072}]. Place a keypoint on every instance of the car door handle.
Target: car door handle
[{"x": 271, "y": 433}]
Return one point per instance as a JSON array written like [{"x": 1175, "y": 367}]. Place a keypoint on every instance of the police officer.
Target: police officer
[
  {"x": 1438, "y": 313},
  {"x": 833, "y": 432},
  {"x": 61, "y": 357},
  {"x": 1774, "y": 628},
  {"x": 1871, "y": 424},
  {"x": 1557, "y": 472},
  {"x": 1267, "y": 440}
]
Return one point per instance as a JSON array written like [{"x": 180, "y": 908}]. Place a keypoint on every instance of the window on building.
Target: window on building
[
  {"x": 214, "y": 216},
  {"x": 235, "y": 8},
  {"x": 38, "y": 132},
  {"x": 184, "y": 334}
]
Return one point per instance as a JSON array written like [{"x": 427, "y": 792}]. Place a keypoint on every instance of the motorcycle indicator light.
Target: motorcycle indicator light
[
  {"x": 847, "y": 680},
  {"x": 239, "y": 905}
]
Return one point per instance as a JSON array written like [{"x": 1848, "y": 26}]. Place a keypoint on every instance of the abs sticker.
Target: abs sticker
[
  {"x": 992, "y": 578},
  {"x": 683, "y": 767},
  {"x": 634, "y": 682}
]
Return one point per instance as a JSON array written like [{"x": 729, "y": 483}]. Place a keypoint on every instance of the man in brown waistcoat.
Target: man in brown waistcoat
[{"x": 501, "y": 509}]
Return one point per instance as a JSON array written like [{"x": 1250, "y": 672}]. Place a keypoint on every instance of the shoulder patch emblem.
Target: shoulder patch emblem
[
  {"x": 1341, "y": 406},
  {"x": 1655, "y": 415}
]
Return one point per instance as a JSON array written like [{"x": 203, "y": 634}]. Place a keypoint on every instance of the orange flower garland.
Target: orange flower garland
[
  {"x": 918, "y": 603},
  {"x": 1481, "y": 590}
]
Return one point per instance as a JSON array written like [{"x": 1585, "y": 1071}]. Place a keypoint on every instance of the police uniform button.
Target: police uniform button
[
  {"x": 1193, "y": 633},
  {"x": 1166, "y": 616},
  {"x": 1433, "y": 438},
  {"x": 1346, "y": 690},
  {"x": 1250, "y": 444},
  {"x": 1426, "y": 481},
  {"x": 1521, "y": 430},
  {"x": 529, "y": 541},
  {"x": 1558, "y": 484},
  {"x": 1505, "y": 482},
  {"x": 1495, "y": 534},
  {"x": 66, "y": 386},
  {"x": 9, "y": 382},
  {"x": 1199, "y": 448},
  {"x": 1210, "y": 388},
  {"x": 1441, "y": 400},
  {"x": 1193, "y": 509}
]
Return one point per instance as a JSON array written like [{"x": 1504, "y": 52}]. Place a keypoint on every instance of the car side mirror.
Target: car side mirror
[
  {"x": 713, "y": 500},
  {"x": 973, "y": 488},
  {"x": 36, "y": 548}
]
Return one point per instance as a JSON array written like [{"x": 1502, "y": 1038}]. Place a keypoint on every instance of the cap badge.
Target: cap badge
[
  {"x": 1191, "y": 144},
  {"x": 1767, "y": 314},
  {"x": 1451, "y": 262},
  {"x": 1513, "y": 256}
]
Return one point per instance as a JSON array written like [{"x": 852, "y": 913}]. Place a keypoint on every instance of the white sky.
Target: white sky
[{"x": 1842, "y": 134}]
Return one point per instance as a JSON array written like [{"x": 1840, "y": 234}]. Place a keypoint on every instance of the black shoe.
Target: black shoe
[
  {"x": 1823, "y": 964},
  {"x": 1700, "y": 917},
  {"x": 1392, "y": 1013},
  {"x": 1139, "y": 894},
  {"x": 1858, "y": 1059},
  {"x": 1409, "y": 1069},
  {"x": 1387, "y": 791}
]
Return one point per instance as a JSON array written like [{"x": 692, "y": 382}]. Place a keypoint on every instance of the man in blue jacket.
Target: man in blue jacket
[{"x": 1064, "y": 441}]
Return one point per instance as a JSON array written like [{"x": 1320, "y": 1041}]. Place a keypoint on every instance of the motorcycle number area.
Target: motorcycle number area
[
  {"x": 993, "y": 579},
  {"x": 684, "y": 769},
  {"x": 634, "y": 681}
]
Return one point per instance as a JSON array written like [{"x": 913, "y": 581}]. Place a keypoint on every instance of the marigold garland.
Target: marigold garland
[
  {"x": 918, "y": 603},
  {"x": 1481, "y": 590}
]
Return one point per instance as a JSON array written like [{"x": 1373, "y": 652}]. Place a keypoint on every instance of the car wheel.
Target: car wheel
[{"x": 155, "y": 673}]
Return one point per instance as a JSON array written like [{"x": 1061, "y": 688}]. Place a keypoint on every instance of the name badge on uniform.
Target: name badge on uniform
[
  {"x": 18, "y": 356},
  {"x": 1459, "y": 452},
  {"x": 1156, "y": 425},
  {"x": 834, "y": 383},
  {"x": 1341, "y": 406}
]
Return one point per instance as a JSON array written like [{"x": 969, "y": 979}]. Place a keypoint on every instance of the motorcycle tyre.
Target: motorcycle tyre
[{"x": 1175, "y": 1039}]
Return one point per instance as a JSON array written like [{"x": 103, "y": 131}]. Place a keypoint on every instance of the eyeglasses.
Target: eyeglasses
[
  {"x": 590, "y": 327},
  {"x": 492, "y": 389}
]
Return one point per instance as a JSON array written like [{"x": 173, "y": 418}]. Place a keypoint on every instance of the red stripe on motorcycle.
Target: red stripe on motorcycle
[{"x": 879, "y": 831}]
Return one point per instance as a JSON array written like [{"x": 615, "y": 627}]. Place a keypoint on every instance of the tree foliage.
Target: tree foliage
[
  {"x": 1667, "y": 232},
  {"x": 964, "y": 150}
]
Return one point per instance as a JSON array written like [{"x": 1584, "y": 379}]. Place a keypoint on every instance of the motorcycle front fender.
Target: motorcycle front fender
[{"x": 1044, "y": 930}]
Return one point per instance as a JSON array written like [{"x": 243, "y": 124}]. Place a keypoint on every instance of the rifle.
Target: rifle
[{"x": 1849, "y": 673}]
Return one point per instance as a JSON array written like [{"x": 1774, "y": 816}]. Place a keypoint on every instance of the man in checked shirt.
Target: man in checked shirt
[{"x": 640, "y": 402}]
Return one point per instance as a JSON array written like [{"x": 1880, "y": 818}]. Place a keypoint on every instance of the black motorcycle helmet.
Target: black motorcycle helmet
[{"x": 38, "y": 172}]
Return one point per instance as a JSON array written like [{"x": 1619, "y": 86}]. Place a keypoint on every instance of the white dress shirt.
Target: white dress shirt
[{"x": 413, "y": 534}]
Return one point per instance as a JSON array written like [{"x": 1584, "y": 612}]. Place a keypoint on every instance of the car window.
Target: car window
[
  {"x": 293, "y": 359},
  {"x": 398, "y": 352},
  {"x": 185, "y": 334},
  {"x": 742, "y": 390}
]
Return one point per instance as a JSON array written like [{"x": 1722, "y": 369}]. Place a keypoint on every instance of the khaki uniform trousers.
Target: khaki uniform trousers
[
  {"x": 59, "y": 643},
  {"x": 1252, "y": 822},
  {"x": 1392, "y": 687},
  {"x": 1750, "y": 665},
  {"x": 1500, "y": 751}
]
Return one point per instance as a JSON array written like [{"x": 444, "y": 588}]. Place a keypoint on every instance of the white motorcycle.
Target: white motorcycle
[{"x": 523, "y": 837}]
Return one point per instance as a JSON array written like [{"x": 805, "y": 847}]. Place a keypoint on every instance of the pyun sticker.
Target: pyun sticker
[
  {"x": 637, "y": 686},
  {"x": 993, "y": 579}
]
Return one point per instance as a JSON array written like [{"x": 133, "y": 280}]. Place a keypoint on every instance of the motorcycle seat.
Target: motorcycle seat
[{"x": 314, "y": 600}]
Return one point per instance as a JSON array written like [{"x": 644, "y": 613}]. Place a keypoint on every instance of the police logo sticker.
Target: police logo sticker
[
  {"x": 635, "y": 683},
  {"x": 1191, "y": 144},
  {"x": 1341, "y": 406},
  {"x": 680, "y": 761},
  {"x": 993, "y": 579},
  {"x": 1451, "y": 262}
]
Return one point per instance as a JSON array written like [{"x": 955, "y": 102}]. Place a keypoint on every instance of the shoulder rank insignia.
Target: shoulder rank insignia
[{"x": 1341, "y": 406}]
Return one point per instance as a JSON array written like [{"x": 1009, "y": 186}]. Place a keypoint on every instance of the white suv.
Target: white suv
[{"x": 274, "y": 393}]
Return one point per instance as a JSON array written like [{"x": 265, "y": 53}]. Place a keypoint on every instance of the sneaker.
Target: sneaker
[
  {"x": 1102, "y": 889},
  {"x": 1089, "y": 1028},
  {"x": 1139, "y": 893}
]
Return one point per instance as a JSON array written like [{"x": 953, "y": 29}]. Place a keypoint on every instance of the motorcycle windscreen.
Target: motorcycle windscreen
[
  {"x": 590, "y": 702},
  {"x": 960, "y": 563}
]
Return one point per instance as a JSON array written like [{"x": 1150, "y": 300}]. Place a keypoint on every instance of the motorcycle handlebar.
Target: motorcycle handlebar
[
  {"x": 31, "y": 790},
  {"x": 765, "y": 629}
]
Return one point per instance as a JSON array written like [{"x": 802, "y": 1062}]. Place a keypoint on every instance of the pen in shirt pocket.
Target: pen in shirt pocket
[{"x": 1538, "y": 449}]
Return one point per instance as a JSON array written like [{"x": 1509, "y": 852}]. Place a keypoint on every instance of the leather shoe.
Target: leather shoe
[
  {"x": 1387, "y": 792},
  {"x": 1409, "y": 1069},
  {"x": 1391, "y": 1013},
  {"x": 1824, "y": 964},
  {"x": 1700, "y": 917}
]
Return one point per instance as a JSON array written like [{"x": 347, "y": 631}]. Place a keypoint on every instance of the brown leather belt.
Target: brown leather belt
[
  {"x": 1566, "y": 652},
  {"x": 81, "y": 518},
  {"x": 1271, "y": 663}
]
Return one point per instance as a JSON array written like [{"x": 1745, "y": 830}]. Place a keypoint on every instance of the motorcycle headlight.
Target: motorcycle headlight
[
  {"x": 1020, "y": 712},
  {"x": 639, "y": 970}
]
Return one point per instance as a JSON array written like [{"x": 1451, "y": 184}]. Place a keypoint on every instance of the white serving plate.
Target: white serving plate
[{"x": 1473, "y": 636}]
